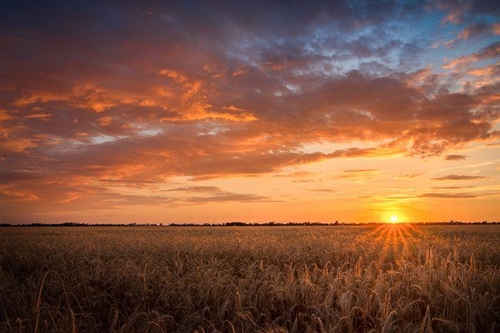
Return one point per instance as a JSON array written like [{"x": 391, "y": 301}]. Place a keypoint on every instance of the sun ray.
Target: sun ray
[{"x": 395, "y": 240}]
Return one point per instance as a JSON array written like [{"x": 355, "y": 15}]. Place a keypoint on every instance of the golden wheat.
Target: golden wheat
[{"x": 250, "y": 279}]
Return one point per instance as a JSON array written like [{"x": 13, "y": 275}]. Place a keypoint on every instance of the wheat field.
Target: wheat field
[{"x": 386, "y": 278}]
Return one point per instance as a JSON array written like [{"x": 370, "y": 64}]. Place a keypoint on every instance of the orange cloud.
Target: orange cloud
[
  {"x": 496, "y": 28},
  {"x": 358, "y": 174},
  {"x": 12, "y": 195},
  {"x": 460, "y": 177},
  {"x": 488, "y": 52},
  {"x": 448, "y": 195},
  {"x": 5, "y": 115},
  {"x": 410, "y": 175},
  {"x": 174, "y": 75},
  {"x": 455, "y": 157},
  {"x": 112, "y": 110},
  {"x": 475, "y": 29}
]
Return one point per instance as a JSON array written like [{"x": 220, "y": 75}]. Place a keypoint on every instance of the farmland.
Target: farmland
[{"x": 387, "y": 278}]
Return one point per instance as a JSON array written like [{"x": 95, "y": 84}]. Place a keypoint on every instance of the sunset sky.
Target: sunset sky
[{"x": 253, "y": 111}]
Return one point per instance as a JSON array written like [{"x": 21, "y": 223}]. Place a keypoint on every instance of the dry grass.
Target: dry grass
[{"x": 250, "y": 279}]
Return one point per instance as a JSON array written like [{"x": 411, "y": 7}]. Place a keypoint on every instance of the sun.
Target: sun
[{"x": 394, "y": 219}]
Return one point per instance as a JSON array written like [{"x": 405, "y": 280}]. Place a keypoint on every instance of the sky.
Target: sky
[{"x": 252, "y": 111}]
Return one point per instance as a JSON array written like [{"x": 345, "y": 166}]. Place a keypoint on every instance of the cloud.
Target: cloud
[
  {"x": 130, "y": 183},
  {"x": 410, "y": 175},
  {"x": 478, "y": 28},
  {"x": 448, "y": 195},
  {"x": 495, "y": 27},
  {"x": 17, "y": 176},
  {"x": 110, "y": 96},
  {"x": 196, "y": 189},
  {"x": 215, "y": 194},
  {"x": 491, "y": 71},
  {"x": 323, "y": 190},
  {"x": 455, "y": 157},
  {"x": 488, "y": 52},
  {"x": 358, "y": 174},
  {"x": 475, "y": 29},
  {"x": 450, "y": 187},
  {"x": 459, "y": 11},
  {"x": 112, "y": 200},
  {"x": 227, "y": 197},
  {"x": 259, "y": 162},
  {"x": 456, "y": 11},
  {"x": 114, "y": 140},
  {"x": 296, "y": 174},
  {"x": 175, "y": 92},
  {"x": 303, "y": 181},
  {"x": 357, "y": 171},
  {"x": 459, "y": 177}
]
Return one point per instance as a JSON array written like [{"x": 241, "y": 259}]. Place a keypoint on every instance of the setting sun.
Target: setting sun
[{"x": 394, "y": 219}]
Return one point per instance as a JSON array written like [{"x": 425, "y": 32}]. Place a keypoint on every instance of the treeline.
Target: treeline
[
  {"x": 245, "y": 224},
  {"x": 225, "y": 224},
  {"x": 79, "y": 224},
  {"x": 230, "y": 224}
]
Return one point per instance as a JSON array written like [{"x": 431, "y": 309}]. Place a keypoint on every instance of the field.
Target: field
[{"x": 388, "y": 278}]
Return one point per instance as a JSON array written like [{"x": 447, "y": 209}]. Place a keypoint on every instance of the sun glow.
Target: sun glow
[{"x": 394, "y": 219}]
